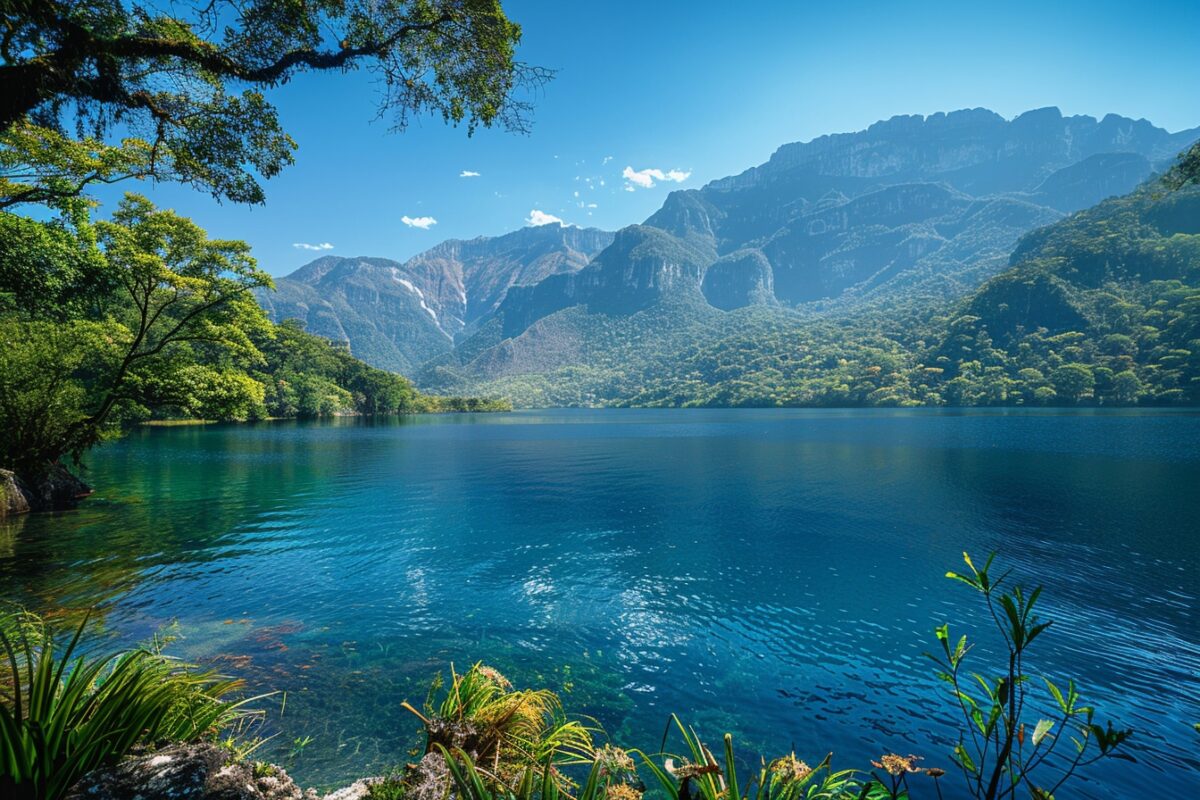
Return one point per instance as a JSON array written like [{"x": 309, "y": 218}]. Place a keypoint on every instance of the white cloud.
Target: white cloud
[
  {"x": 467, "y": 173},
  {"x": 606, "y": 160},
  {"x": 537, "y": 217},
  {"x": 629, "y": 188},
  {"x": 305, "y": 246},
  {"x": 592, "y": 205},
  {"x": 424, "y": 223},
  {"x": 645, "y": 178}
]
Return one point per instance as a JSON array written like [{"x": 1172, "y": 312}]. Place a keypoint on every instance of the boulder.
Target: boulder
[
  {"x": 13, "y": 499},
  {"x": 188, "y": 772},
  {"x": 59, "y": 489}
]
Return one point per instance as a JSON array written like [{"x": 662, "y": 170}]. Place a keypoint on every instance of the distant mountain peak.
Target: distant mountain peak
[{"x": 916, "y": 147}]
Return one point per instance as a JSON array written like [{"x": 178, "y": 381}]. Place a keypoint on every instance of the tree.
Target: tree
[
  {"x": 1127, "y": 388},
  {"x": 46, "y": 391},
  {"x": 186, "y": 83},
  {"x": 50, "y": 270},
  {"x": 1073, "y": 381},
  {"x": 179, "y": 319}
]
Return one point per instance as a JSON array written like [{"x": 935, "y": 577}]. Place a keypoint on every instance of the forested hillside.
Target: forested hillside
[
  {"x": 1101, "y": 308},
  {"x": 845, "y": 270}
]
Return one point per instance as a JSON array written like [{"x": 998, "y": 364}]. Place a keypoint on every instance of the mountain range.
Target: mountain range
[
  {"x": 905, "y": 219},
  {"x": 398, "y": 315}
]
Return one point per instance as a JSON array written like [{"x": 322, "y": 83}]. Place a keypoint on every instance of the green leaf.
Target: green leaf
[
  {"x": 964, "y": 759},
  {"x": 1040, "y": 730},
  {"x": 1058, "y": 696}
]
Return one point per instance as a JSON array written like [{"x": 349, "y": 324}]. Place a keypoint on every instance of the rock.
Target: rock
[
  {"x": 429, "y": 779},
  {"x": 359, "y": 790},
  {"x": 12, "y": 495},
  {"x": 57, "y": 490},
  {"x": 188, "y": 772},
  {"x": 743, "y": 278}
]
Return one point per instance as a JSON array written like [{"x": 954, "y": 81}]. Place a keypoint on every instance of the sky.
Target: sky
[{"x": 659, "y": 95}]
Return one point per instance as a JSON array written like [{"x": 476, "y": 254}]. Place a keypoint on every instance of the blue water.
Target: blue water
[{"x": 777, "y": 574}]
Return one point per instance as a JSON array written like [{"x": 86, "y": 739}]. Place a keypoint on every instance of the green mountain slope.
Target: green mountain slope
[
  {"x": 828, "y": 275},
  {"x": 1102, "y": 307}
]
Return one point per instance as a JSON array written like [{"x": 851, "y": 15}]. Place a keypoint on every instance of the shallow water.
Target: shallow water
[{"x": 777, "y": 574}]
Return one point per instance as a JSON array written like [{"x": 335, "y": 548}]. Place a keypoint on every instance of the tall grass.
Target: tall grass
[{"x": 64, "y": 713}]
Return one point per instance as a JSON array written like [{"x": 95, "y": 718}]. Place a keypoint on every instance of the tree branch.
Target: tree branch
[{"x": 32, "y": 82}]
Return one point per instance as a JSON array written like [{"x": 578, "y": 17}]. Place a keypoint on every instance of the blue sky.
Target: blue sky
[{"x": 693, "y": 88}]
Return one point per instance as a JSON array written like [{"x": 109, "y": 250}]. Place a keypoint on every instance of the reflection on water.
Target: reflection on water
[{"x": 773, "y": 573}]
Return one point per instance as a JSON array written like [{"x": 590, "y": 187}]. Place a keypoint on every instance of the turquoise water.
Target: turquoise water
[{"x": 777, "y": 574}]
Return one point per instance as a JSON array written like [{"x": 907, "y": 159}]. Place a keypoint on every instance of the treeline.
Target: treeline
[{"x": 308, "y": 376}]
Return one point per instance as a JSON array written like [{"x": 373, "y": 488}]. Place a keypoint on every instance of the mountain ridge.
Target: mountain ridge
[
  {"x": 912, "y": 210},
  {"x": 398, "y": 315}
]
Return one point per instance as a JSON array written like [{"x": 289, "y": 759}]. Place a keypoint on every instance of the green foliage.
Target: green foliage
[
  {"x": 50, "y": 270},
  {"x": 167, "y": 76},
  {"x": 308, "y": 376},
  {"x": 697, "y": 774},
  {"x": 48, "y": 372},
  {"x": 1004, "y": 747},
  {"x": 390, "y": 787},
  {"x": 144, "y": 316},
  {"x": 511, "y": 730},
  {"x": 63, "y": 713},
  {"x": 148, "y": 313}
]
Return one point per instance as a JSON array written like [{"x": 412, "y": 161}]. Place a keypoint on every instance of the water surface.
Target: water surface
[{"x": 777, "y": 574}]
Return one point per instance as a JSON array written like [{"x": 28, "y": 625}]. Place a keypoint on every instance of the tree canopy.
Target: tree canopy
[{"x": 183, "y": 84}]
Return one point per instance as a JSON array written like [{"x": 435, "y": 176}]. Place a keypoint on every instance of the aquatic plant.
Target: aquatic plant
[
  {"x": 63, "y": 713},
  {"x": 480, "y": 714},
  {"x": 697, "y": 775},
  {"x": 1007, "y": 743}
]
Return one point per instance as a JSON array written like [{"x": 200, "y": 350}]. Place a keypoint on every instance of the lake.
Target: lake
[{"x": 774, "y": 573}]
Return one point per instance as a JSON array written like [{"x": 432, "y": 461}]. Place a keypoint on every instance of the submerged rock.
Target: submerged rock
[{"x": 188, "y": 772}]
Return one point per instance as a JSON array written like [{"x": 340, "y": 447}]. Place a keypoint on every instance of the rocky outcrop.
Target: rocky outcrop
[
  {"x": 740, "y": 279},
  {"x": 398, "y": 315},
  {"x": 204, "y": 771},
  {"x": 58, "y": 489},
  {"x": 13, "y": 497},
  {"x": 975, "y": 150},
  {"x": 642, "y": 266},
  {"x": 55, "y": 491},
  {"x": 1094, "y": 179},
  {"x": 188, "y": 772}
]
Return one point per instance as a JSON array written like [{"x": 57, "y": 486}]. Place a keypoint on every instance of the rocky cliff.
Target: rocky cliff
[{"x": 398, "y": 315}]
